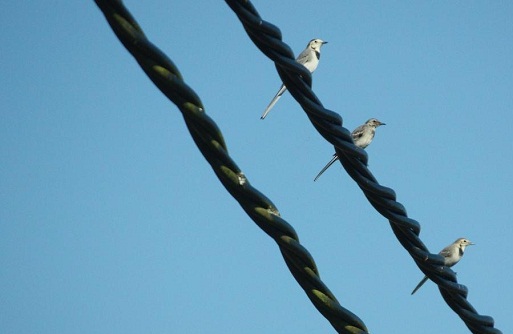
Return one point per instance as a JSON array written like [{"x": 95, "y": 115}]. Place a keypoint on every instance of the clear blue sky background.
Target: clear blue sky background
[{"x": 111, "y": 221}]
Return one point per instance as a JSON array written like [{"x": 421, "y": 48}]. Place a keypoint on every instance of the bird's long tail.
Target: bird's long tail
[
  {"x": 420, "y": 284},
  {"x": 274, "y": 100},
  {"x": 332, "y": 161}
]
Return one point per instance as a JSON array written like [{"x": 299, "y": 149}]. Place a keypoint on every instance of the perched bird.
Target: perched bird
[
  {"x": 309, "y": 58},
  {"x": 362, "y": 137},
  {"x": 452, "y": 254}
]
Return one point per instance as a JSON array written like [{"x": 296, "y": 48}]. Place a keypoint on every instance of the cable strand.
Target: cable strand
[
  {"x": 207, "y": 136},
  {"x": 354, "y": 160}
]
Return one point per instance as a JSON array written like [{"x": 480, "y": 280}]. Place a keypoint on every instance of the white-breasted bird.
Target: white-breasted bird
[
  {"x": 452, "y": 254},
  {"x": 362, "y": 137},
  {"x": 309, "y": 58}
]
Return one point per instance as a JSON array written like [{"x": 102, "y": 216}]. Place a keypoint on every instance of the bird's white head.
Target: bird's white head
[
  {"x": 316, "y": 44},
  {"x": 374, "y": 122},
  {"x": 462, "y": 243}
]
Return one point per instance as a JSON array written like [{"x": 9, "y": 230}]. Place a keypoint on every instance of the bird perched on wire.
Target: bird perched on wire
[
  {"x": 362, "y": 137},
  {"x": 452, "y": 254},
  {"x": 309, "y": 58}
]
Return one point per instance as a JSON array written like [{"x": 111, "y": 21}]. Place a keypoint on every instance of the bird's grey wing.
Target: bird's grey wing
[
  {"x": 357, "y": 133},
  {"x": 304, "y": 56},
  {"x": 331, "y": 162},
  {"x": 273, "y": 101},
  {"x": 420, "y": 284},
  {"x": 446, "y": 252}
]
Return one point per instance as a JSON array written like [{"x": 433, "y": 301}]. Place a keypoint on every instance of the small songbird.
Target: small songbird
[
  {"x": 309, "y": 58},
  {"x": 452, "y": 254},
  {"x": 362, "y": 137}
]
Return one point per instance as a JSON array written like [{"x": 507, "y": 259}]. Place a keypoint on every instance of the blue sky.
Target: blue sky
[{"x": 111, "y": 221}]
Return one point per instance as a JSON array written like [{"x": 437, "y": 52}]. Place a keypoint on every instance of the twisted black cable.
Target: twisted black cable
[
  {"x": 164, "y": 74},
  {"x": 267, "y": 38}
]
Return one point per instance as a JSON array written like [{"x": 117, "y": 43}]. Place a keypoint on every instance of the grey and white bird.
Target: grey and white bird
[
  {"x": 452, "y": 254},
  {"x": 309, "y": 58},
  {"x": 362, "y": 137}
]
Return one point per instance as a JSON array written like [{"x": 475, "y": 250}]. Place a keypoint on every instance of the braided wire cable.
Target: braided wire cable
[
  {"x": 267, "y": 38},
  {"x": 207, "y": 136}
]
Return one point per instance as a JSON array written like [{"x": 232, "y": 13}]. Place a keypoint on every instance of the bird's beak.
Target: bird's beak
[
  {"x": 470, "y": 244},
  {"x": 324, "y": 42},
  {"x": 382, "y": 123}
]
